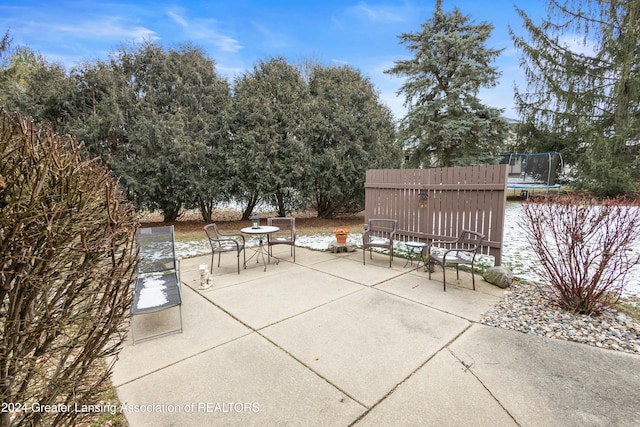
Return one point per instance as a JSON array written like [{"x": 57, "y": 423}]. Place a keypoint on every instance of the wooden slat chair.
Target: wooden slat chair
[
  {"x": 221, "y": 242},
  {"x": 462, "y": 250},
  {"x": 379, "y": 233},
  {"x": 286, "y": 235},
  {"x": 157, "y": 286}
]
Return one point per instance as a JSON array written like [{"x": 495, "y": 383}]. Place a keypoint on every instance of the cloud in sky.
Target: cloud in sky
[
  {"x": 380, "y": 13},
  {"x": 177, "y": 17},
  {"x": 113, "y": 28},
  {"x": 203, "y": 31}
]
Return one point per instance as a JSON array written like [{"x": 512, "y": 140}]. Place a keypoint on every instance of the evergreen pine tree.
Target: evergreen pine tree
[{"x": 446, "y": 121}]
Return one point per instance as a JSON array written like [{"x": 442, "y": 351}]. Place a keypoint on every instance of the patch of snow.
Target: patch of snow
[{"x": 153, "y": 294}]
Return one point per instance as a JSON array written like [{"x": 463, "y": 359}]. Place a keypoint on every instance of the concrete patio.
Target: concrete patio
[{"x": 330, "y": 341}]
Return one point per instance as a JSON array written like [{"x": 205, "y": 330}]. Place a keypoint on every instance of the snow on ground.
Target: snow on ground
[{"x": 517, "y": 253}]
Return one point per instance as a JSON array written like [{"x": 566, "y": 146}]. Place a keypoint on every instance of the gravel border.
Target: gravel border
[{"x": 525, "y": 309}]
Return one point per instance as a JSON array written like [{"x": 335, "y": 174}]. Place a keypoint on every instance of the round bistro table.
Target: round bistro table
[{"x": 262, "y": 232}]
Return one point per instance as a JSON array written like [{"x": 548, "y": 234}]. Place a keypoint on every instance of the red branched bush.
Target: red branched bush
[{"x": 584, "y": 247}]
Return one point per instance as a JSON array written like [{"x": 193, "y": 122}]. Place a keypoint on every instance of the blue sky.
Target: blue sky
[{"x": 237, "y": 34}]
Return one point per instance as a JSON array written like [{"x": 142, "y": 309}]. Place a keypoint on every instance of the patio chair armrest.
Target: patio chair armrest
[
  {"x": 232, "y": 237},
  {"x": 435, "y": 243},
  {"x": 430, "y": 245},
  {"x": 463, "y": 249},
  {"x": 469, "y": 251},
  {"x": 234, "y": 241}
]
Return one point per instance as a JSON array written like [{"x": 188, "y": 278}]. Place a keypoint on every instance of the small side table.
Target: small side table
[{"x": 413, "y": 246}]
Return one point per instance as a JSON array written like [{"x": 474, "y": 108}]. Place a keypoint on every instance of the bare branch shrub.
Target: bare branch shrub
[
  {"x": 67, "y": 263},
  {"x": 584, "y": 248}
]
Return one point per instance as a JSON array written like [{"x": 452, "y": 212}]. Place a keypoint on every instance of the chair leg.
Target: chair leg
[
  {"x": 219, "y": 257},
  {"x": 473, "y": 277},
  {"x": 238, "y": 257},
  {"x": 444, "y": 277}
]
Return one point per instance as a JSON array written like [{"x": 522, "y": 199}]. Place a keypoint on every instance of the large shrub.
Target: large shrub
[
  {"x": 584, "y": 247},
  {"x": 67, "y": 261}
]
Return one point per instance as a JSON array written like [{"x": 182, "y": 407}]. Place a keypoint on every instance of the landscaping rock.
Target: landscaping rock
[
  {"x": 499, "y": 276},
  {"x": 336, "y": 247}
]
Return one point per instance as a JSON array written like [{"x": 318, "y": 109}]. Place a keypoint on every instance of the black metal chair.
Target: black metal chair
[
  {"x": 286, "y": 235},
  {"x": 379, "y": 233},
  {"x": 463, "y": 250},
  {"x": 157, "y": 286},
  {"x": 225, "y": 242}
]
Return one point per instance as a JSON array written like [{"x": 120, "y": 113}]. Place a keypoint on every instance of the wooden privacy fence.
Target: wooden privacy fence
[{"x": 432, "y": 204}]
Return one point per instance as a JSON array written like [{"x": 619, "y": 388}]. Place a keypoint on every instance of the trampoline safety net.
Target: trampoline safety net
[{"x": 538, "y": 170}]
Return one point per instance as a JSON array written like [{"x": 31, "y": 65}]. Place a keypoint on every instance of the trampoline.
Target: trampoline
[{"x": 533, "y": 171}]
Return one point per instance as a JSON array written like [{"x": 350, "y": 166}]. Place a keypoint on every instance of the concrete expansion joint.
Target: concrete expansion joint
[
  {"x": 310, "y": 369},
  {"x": 468, "y": 368}
]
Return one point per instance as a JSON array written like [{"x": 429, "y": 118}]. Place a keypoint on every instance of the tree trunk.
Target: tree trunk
[
  {"x": 280, "y": 196},
  {"x": 171, "y": 213},
  {"x": 206, "y": 209},
  {"x": 251, "y": 204},
  {"x": 326, "y": 209}
]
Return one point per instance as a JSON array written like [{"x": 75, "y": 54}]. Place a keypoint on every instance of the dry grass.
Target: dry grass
[{"x": 630, "y": 307}]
